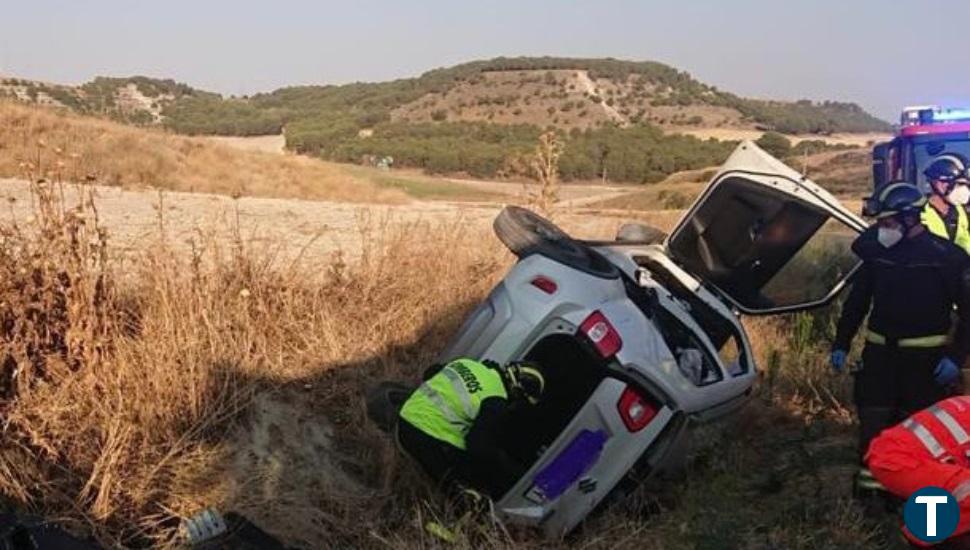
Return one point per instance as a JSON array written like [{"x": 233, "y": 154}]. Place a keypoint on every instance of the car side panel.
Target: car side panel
[
  {"x": 482, "y": 326},
  {"x": 517, "y": 313}
]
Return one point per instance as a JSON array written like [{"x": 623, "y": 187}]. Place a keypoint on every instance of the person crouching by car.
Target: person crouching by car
[
  {"x": 451, "y": 424},
  {"x": 908, "y": 284}
]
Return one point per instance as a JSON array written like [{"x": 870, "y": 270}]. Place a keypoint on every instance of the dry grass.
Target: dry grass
[
  {"x": 847, "y": 173},
  {"x": 122, "y": 155},
  {"x": 655, "y": 198},
  {"x": 128, "y": 402},
  {"x": 221, "y": 378}
]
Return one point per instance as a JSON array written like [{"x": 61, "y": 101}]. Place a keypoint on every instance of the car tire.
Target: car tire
[
  {"x": 525, "y": 233},
  {"x": 640, "y": 233}
]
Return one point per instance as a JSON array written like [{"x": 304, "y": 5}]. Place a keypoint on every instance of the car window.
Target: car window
[
  {"x": 765, "y": 249},
  {"x": 926, "y": 152},
  {"x": 824, "y": 260}
]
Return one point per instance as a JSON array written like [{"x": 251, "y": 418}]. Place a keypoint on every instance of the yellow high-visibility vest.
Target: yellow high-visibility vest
[
  {"x": 936, "y": 225},
  {"x": 446, "y": 405}
]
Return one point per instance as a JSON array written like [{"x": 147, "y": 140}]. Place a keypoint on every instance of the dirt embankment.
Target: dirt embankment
[
  {"x": 265, "y": 144},
  {"x": 59, "y": 145},
  {"x": 311, "y": 229}
]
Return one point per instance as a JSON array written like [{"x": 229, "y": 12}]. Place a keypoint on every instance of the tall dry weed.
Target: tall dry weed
[
  {"x": 792, "y": 353},
  {"x": 544, "y": 166}
]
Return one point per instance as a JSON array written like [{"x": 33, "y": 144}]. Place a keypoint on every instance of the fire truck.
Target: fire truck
[{"x": 924, "y": 133}]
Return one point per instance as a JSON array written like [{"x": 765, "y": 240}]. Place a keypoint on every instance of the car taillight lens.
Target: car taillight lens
[
  {"x": 635, "y": 411},
  {"x": 601, "y": 333},
  {"x": 545, "y": 284}
]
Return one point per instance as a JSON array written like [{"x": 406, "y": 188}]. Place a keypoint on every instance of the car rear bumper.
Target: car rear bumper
[{"x": 581, "y": 466}]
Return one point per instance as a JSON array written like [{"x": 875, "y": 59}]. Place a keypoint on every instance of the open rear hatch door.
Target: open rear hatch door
[{"x": 767, "y": 238}]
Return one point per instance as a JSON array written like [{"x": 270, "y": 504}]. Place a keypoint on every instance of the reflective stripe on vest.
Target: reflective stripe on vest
[
  {"x": 439, "y": 402},
  {"x": 865, "y": 480},
  {"x": 460, "y": 391},
  {"x": 961, "y": 491},
  {"x": 925, "y": 437},
  {"x": 951, "y": 424},
  {"x": 446, "y": 405},
  {"x": 935, "y": 223},
  {"x": 932, "y": 341}
]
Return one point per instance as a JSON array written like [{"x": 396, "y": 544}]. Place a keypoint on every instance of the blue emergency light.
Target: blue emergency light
[{"x": 952, "y": 115}]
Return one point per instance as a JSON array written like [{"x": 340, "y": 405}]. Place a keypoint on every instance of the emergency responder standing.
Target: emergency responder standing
[
  {"x": 930, "y": 448},
  {"x": 451, "y": 424},
  {"x": 909, "y": 282},
  {"x": 945, "y": 213}
]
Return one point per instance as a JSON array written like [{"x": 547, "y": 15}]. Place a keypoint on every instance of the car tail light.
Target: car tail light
[
  {"x": 635, "y": 411},
  {"x": 601, "y": 333},
  {"x": 545, "y": 284}
]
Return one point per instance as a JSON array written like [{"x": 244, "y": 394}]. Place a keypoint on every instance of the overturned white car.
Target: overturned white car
[{"x": 640, "y": 339}]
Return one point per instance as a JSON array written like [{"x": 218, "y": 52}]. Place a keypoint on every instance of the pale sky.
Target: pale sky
[{"x": 882, "y": 54}]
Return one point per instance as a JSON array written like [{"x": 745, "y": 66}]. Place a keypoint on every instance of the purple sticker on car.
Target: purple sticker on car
[{"x": 574, "y": 461}]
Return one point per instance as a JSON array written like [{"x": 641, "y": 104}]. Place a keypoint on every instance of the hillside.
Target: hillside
[
  {"x": 137, "y": 99},
  {"x": 60, "y": 145},
  {"x": 480, "y": 118},
  {"x": 585, "y": 98},
  {"x": 568, "y": 94},
  {"x": 563, "y": 92},
  {"x": 847, "y": 174}
]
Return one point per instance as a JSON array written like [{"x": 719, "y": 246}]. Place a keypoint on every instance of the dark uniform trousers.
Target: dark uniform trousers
[
  {"x": 450, "y": 467},
  {"x": 893, "y": 383},
  {"x": 911, "y": 291}
]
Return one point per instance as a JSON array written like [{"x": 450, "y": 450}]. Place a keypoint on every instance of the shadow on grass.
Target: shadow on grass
[{"x": 766, "y": 478}]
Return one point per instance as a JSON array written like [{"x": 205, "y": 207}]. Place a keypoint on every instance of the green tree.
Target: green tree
[{"x": 775, "y": 144}]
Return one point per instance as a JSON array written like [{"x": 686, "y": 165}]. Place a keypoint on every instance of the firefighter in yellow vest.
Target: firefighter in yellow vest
[
  {"x": 451, "y": 425},
  {"x": 945, "y": 213}
]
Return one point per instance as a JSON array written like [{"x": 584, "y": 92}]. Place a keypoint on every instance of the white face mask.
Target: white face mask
[
  {"x": 960, "y": 195},
  {"x": 889, "y": 236}
]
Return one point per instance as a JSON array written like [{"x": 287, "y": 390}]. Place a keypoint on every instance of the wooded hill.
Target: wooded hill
[{"x": 619, "y": 118}]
